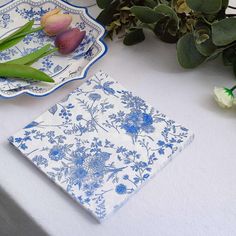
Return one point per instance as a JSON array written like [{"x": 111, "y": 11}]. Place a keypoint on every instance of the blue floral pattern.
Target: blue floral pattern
[
  {"x": 61, "y": 68},
  {"x": 101, "y": 143},
  {"x": 5, "y": 20}
]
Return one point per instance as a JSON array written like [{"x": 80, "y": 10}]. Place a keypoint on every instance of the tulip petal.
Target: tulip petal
[
  {"x": 56, "y": 24},
  {"x": 69, "y": 40},
  {"x": 48, "y": 14}
]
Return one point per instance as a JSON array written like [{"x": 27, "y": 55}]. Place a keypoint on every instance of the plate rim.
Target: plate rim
[{"x": 100, "y": 41}]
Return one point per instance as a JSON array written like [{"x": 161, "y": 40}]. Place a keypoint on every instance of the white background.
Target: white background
[{"x": 193, "y": 195}]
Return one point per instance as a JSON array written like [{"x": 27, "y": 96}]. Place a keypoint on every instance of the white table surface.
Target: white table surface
[{"x": 193, "y": 195}]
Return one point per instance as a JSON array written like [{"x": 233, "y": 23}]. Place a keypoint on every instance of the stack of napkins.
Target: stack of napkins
[{"x": 101, "y": 144}]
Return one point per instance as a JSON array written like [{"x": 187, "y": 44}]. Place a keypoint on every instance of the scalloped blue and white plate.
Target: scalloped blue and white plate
[{"x": 63, "y": 69}]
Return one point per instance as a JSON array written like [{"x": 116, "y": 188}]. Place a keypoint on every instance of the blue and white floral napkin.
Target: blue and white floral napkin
[{"x": 101, "y": 143}]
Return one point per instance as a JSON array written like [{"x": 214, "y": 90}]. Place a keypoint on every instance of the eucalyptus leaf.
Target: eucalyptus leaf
[
  {"x": 145, "y": 14},
  {"x": 214, "y": 55},
  {"x": 206, "y": 48},
  {"x": 103, "y": 3},
  {"x": 180, "y": 6},
  {"x": 203, "y": 40},
  {"x": 187, "y": 53},
  {"x": 205, "y": 6},
  {"x": 167, "y": 2},
  {"x": 167, "y": 11},
  {"x": 134, "y": 36},
  {"x": 224, "y": 32},
  {"x": 202, "y": 29},
  {"x": 166, "y": 30},
  {"x": 150, "y": 3},
  {"x": 105, "y": 17}
]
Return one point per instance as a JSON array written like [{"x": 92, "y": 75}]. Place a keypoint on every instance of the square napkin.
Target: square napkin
[{"x": 101, "y": 143}]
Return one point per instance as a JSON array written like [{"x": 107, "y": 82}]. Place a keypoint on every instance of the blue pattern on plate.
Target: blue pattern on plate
[
  {"x": 62, "y": 68},
  {"x": 101, "y": 143}
]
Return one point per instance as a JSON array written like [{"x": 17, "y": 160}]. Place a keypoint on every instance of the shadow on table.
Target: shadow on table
[{"x": 14, "y": 221}]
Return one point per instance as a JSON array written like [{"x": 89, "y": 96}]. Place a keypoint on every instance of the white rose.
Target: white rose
[{"x": 224, "y": 97}]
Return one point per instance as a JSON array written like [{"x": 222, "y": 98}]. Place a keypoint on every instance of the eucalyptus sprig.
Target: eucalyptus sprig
[{"x": 201, "y": 29}]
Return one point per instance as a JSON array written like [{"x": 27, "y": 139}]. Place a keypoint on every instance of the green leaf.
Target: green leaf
[
  {"x": 33, "y": 56},
  {"x": 166, "y": 11},
  {"x": 23, "y": 72},
  {"x": 30, "y": 31},
  {"x": 166, "y": 30},
  {"x": 10, "y": 43},
  {"x": 205, "y": 6},
  {"x": 103, "y": 3},
  {"x": 133, "y": 37},
  {"x": 25, "y": 28},
  {"x": 206, "y": 48},
  {"x": 202, "y": 32},
  {"x": 202, "y": 38},
  {"x": 145, "y": 14},
  {"x": 224, "y": 31},
  {"x": 214, "y": 55},
  {"x": 106, "y": 16},
  {"x": 166, "y": 2},
  {"x": 203, "y": 41},
  {"x": 187, "y": 53},
  {"x": 16, "y": 38},
  {"x": 43, "y": 55},
  {"x": 150, "y": 3}
]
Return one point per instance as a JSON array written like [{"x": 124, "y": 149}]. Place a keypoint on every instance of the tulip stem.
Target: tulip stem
[{"x": 233, "y": 88}]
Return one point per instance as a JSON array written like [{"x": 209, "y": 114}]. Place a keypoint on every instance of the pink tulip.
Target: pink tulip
[
  {"x": 55, "y": 22},
  {"x": 69, "y": 40}
]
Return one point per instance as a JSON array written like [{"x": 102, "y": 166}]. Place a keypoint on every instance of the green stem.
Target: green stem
[
  {"x": 233, "y": 88},
  {"x": 28, "y": 32}
]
